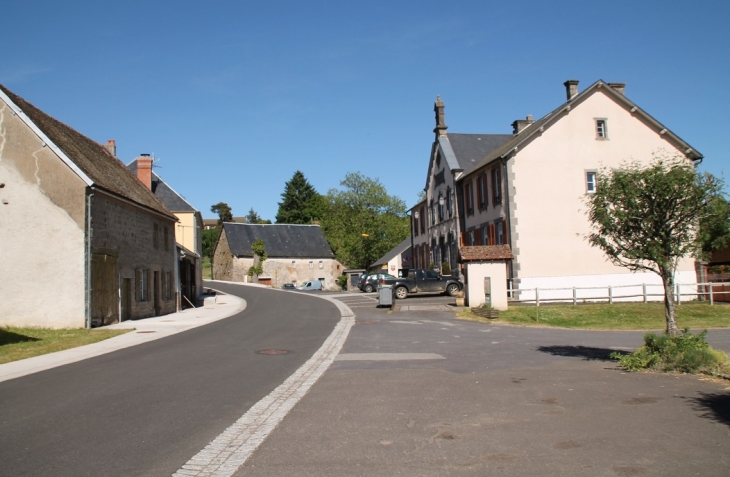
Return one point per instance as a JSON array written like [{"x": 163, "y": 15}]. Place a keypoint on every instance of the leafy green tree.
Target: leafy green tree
[
  {"x": 210, "y": 239},
  {"x": 259, "y": 256},
  {"x": 254, "y": 218},
  {"x": 647, "y": 218},
  {"x": 716, "y": 227},
  {"x": 300, "y": 202},
  {"x": 224, "y": 212},
  {"x": 362, "y": 222}
]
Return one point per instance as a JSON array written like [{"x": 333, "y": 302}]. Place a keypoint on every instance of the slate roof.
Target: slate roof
[
  {"x": 478, "y": 253},
  {"x": 469, "y": 149},
  {"x": 397, "y": 250},
  {"x": 546, "y": 121},
  {"x": 172, "y": 200},
  {"x": 280, "y": 240},
  {"x": 92, "y": 159}
]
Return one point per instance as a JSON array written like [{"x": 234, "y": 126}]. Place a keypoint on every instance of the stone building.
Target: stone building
[
  {"x": 296, "y": 254},
  {"x": 84, "y": 243}
]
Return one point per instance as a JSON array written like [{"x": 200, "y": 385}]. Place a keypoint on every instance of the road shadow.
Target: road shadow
[
  {"x": 8, "y": 337},
  {"x": 588, "y": 353},
  {"x": 713, "y": 406}
]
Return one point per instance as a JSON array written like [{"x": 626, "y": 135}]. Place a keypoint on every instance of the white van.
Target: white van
[{"x": 311, "y": 285}]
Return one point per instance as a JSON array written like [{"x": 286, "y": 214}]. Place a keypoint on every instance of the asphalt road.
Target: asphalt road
[
  {"x": 420, "y": 393},
  {"x": 145, "y": 410}
]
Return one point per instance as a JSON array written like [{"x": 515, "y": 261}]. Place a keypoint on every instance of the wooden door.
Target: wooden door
[{"x": 104, "y": 290}]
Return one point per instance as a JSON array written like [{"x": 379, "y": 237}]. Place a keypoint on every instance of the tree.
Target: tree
[
  {"x": 647, "y": 218},
  {"x": 210, "y": 239},
  {"x": 362, "y": 222},
  {"x": 254, "y": 218},
  {"x": 224, "y": 212},
  {"x": 716, "y": 228},
  {"x": 300, "y": 202},
  {"x": 259, "y": 256}
]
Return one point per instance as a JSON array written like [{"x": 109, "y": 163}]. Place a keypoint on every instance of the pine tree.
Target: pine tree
[{"x": 300, "y": 202}]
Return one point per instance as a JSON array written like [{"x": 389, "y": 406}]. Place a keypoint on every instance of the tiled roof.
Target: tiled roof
[
  {"x": 485, "y": 252},
  {"x": 280, "y": 240},
  {"x": 172, "y": 200},
  {"x": 399, "y": 249},
  {"x": 104, "y": 170}
]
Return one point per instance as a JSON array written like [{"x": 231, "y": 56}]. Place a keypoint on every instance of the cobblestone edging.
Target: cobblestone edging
[{"x": 230, "y": 450}]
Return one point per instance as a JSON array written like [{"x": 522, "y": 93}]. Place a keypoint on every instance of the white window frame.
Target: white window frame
[
  {"x": 601, "y": 128},
  {"x": 590, "y": 181}
]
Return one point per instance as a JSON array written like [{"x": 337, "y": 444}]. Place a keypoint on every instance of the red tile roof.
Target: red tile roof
[{"x": 485, "y": 252}]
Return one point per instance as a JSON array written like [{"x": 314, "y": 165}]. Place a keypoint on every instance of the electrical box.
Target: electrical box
[{"x": 488, "y": 290}]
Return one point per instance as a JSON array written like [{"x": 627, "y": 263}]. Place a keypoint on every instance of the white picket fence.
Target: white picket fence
[{"x": 624, "y": 293}]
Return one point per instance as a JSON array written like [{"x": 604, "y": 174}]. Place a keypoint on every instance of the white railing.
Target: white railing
[{"x": 643, "y": 292}]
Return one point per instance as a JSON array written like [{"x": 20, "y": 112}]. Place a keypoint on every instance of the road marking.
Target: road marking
[
  {"x": 386, "y": 356},
  {"x": 230, "y": 450}
]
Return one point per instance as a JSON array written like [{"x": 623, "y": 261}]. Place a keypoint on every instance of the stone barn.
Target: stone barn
[{"x": 295, "y": 254}]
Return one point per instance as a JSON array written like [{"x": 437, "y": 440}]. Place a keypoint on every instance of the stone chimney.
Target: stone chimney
[
  {"x": 144, "y": 170},
  {"x": 111, "y": 147},
  {"x": 521, "y": 124},
  {"x": 438, "y": 108},
  {"x": 571, "y": 88},
  {"x": 619, "y": 87}
]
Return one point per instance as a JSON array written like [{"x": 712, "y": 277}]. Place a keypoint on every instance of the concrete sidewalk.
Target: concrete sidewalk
[{"x": 148, "y": 329}]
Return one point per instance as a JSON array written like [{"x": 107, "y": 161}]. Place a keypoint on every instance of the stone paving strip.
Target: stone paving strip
[{"x": 230, "y": 450}]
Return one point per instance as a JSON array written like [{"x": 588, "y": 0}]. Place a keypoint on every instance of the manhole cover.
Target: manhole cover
[
  {"x": 367, "y": 322},
  {"x": 145, "y": 332},
  {"x": 273, "y": 351}
]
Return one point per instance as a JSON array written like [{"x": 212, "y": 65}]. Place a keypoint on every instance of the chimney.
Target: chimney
[
  {"x": 438, "y": 108},
  {"x": 521, "y": 124},
  {"x": 144, "y": 170},
  {"x": 111, "y": 147},
  {"x": 571, "y": 88},
  {"x": 619, "y": 87}
]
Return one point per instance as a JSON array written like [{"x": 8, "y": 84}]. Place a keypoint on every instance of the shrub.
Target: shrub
[
  {"x": 445, "y": 268},
  {"x": 342, "y": 282},
  {"x": 685, "y": 353}
]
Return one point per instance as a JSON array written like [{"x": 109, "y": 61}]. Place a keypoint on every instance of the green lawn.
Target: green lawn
[
  {"x": 619, "y": 316},
  {"x": 21, "y": 343},
  {"x": 206, "y": 268}
]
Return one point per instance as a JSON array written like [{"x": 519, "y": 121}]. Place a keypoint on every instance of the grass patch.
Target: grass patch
[
  {"x": 22, "y": 343},
  {"x": 619, "y": 316},
  {"x": 206, "y": 268},
  {"x": 684, "y": 353}
]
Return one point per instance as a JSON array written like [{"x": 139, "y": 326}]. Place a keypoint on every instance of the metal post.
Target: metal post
[
  {"x": 575, "y": 301},
  {"x": 643, "y": 286},
  {"x": 679, "y": 296},
  {"x": 712, "y": 301},
  {"x": 537, "y": 304},
  {"x": 610, "y": 295}
]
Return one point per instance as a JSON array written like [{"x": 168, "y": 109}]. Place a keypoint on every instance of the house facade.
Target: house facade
[
  {"x": 84, "y": 242},
  {"x": 529, "y": 192},
  {"x": 295, "y": 254},
  {"x": 398, "y": 258},
  {"x": 188, "y": 230}
]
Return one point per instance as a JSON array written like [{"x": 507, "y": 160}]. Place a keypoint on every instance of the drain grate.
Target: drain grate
[{"x": 273, "y": 351}]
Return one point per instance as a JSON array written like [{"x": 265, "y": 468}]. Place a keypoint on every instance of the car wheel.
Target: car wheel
[
  {"x": 452, "y": 289},
  {"x": 368, "y": 289},
  {"x": 401, "y": 293}
]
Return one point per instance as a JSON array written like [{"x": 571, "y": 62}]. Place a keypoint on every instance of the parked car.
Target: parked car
[
  {"x": 424, "y": 281},
  {"x": 311, "y": 285},
  {"x": 289, "y": 286},
  {"x": 369, "y": 281}
]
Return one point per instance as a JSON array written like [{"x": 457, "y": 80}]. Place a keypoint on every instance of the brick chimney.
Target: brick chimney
[
  {"x": 438, "y": 108},
  {"x": 619, "y": 87},
  {"x": 111, "y": 147},
  {"x": 571, "y": 88},
  {"x": 521, "y": 124},
  {"x": 144, "y": 170}
]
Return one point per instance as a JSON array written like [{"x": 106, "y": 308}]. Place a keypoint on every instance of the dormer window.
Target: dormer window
[{"x": 601, "y": 128}]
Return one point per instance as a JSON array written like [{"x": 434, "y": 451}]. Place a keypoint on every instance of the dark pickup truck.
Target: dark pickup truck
[{"x": 423, "y": 281}]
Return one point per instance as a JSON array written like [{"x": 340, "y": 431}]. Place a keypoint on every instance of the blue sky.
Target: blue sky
[{"x": 232, "y": 97}]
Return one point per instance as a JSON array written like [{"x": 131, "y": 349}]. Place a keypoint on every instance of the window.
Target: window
[
  {"x": 423, "y": 221},
  {"x": 433, "y": 213},
  {"x": 500, "y": 233},
  {"x": 321, "y": 265},
  {"x": 311, "y": 264},
  {"x": 601, "y": 129},
  {"x": 415, "y": 224},
  {"x": 590, "y": 182},
  {"x": 471, "y": 237},
  {"x": 485, "y": 237},
  {"x": 156, "y": 236},
  {"x": 496, "y": 186},
  {"x": 482, "y": 191},
  {"x": 168, "y": 285},
  {"x": 167, "y": 239},
  {"x": 469, "y": 198},
  {"x": 448, "y": 202},
  {"x": 143, "y": 279}
]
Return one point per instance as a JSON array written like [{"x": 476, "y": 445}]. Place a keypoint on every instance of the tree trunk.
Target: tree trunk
[
  {"x": 256, "y": 261},
  {"x": 670, "y": 312}
]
